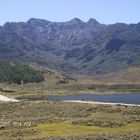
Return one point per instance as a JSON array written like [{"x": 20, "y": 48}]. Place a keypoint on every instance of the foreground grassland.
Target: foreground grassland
[
  {"x": 61, "y": 121},
  {"x": 36, "y": 118}
]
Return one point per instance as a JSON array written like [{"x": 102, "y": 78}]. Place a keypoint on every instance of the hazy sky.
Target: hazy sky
[{"x": 104, "y": 11}]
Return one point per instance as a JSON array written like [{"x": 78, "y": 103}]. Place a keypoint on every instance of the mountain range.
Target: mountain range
[{"x": 72, "y": 47}]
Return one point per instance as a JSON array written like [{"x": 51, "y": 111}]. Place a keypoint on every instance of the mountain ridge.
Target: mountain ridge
[
  {"x": 78, "y": 19},
  {"x": 72, "y": 47}
]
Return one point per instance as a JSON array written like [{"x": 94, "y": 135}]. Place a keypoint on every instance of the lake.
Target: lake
[{"x": 111, "y": 98}]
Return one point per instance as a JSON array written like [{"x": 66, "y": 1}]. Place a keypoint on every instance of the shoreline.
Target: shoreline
[
  {"x": 99, "y": 103},
  {"x": 6, "y": 99}
]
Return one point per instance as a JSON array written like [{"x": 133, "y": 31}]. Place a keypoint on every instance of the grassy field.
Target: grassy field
[{"x": 57, "y": 120}]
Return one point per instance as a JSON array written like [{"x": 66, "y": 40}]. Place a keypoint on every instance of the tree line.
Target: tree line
[{"x": 13, "y": 72}]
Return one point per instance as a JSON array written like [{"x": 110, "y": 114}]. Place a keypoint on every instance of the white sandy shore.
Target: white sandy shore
[
  {"x": 99, "y": 103},
  {"x": 6, "y": 99}
]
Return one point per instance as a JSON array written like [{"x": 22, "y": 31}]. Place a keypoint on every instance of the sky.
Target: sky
[{"x": 104, "y": 11}]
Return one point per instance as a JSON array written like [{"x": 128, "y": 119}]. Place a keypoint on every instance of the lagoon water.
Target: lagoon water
[{"x": 111, "y": 98}]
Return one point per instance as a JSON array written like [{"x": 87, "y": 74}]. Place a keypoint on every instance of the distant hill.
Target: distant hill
[
  {"x": 72, "y": 47},
  {"x": 130, "y": 75},
  {"x": 19, "y": 73}
]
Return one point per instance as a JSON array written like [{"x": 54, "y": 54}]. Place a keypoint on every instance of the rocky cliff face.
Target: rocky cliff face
[{"x": 74, "y": 46}]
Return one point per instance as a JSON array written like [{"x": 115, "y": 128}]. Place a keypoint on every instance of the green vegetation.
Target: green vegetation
[{"x": 12, "y": 72}]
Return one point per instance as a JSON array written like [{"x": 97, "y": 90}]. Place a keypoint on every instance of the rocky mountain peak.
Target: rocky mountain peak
[
  {"x": 76, "y": 21},
  {"x": 37, "y": 22},
  {"x": 92, "y": 21}
]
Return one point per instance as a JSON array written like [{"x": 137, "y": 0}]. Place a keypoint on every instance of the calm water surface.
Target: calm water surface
[{"x": 114, "y": 98}]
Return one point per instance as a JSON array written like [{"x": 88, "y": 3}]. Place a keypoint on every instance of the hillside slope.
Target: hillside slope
[
  {"x": 128, "y": 76},
  {"x": 72, "y": 47}
]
